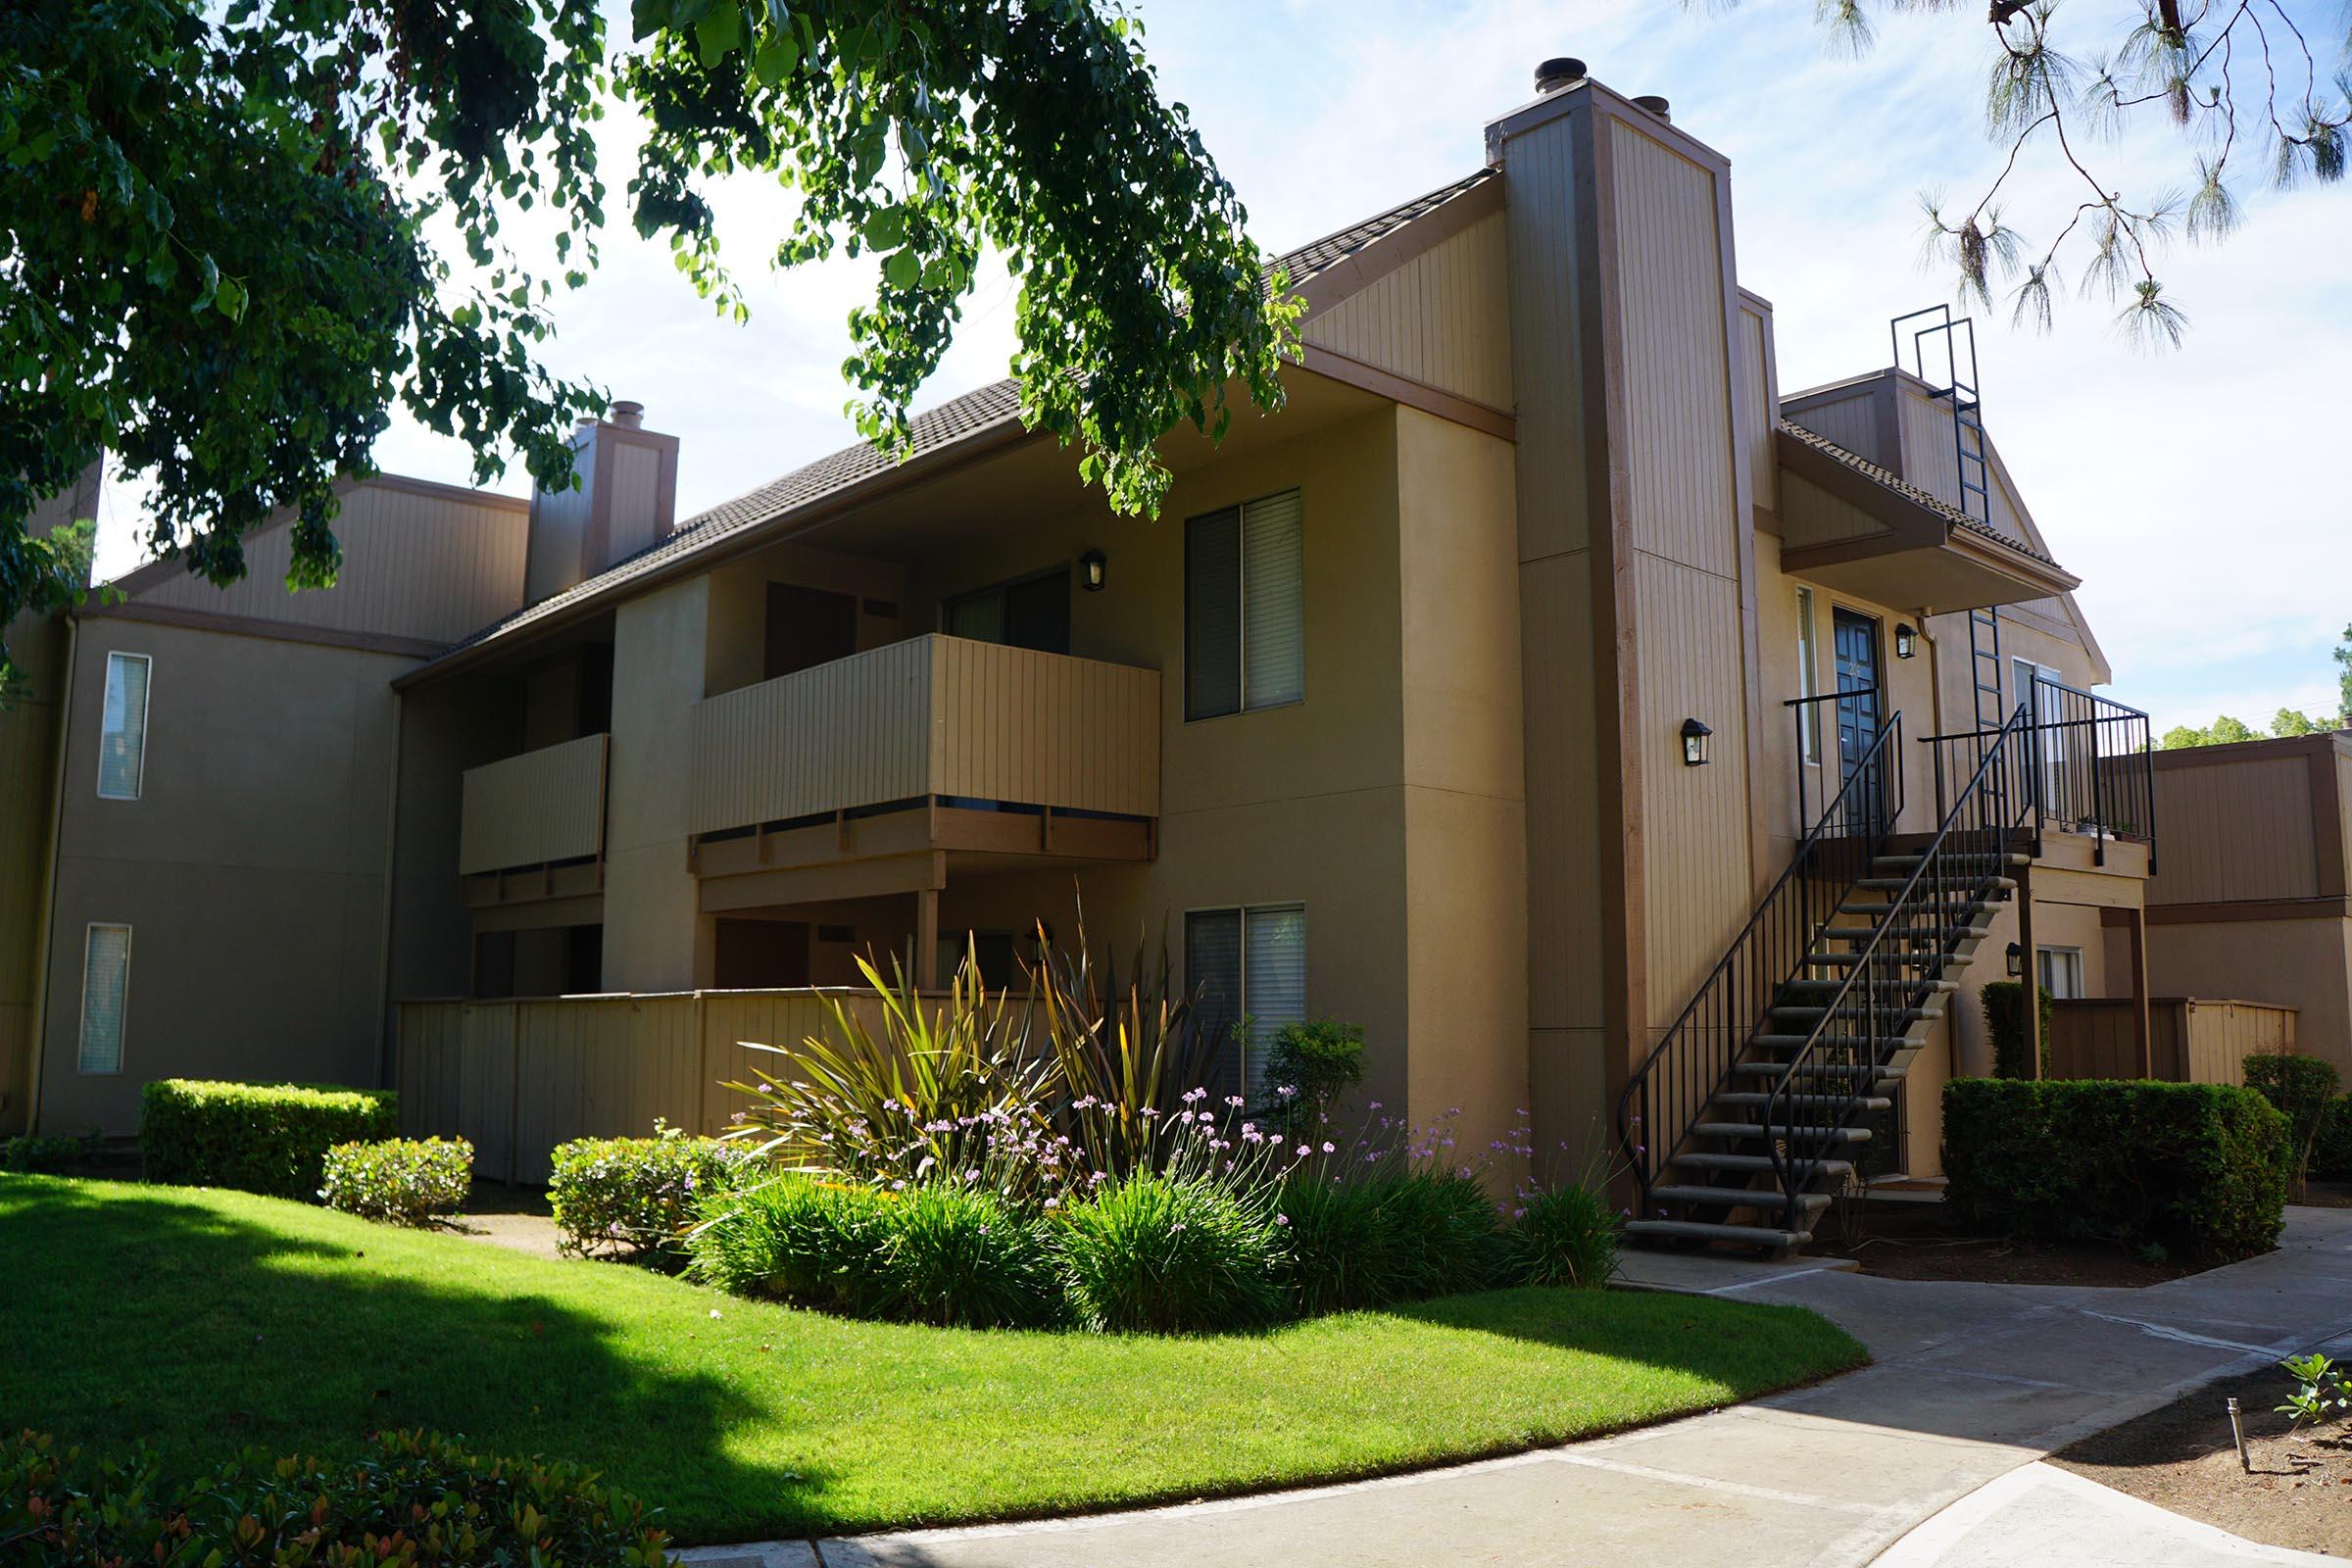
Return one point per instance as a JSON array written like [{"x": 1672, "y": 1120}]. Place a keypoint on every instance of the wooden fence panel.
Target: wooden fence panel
[{"x": 2190, "y": 1041}]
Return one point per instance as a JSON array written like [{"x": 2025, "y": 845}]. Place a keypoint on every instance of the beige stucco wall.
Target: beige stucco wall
[
  {"x": 251, "y": 869},
  {"x": 655, "y": 939}
]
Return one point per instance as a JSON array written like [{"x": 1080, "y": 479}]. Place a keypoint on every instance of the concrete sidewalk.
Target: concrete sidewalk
[{"x": 1969, "y": 1382}]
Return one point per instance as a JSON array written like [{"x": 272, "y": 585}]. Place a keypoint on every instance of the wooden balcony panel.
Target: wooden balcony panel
[{"x": 541, "y": 808}]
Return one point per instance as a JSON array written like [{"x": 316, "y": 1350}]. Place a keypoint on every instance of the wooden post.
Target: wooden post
[
  {"x": 2028, "y": 975},
  {"x": 2144, "y": 1033},
  {"x": 926, "y": 939}
]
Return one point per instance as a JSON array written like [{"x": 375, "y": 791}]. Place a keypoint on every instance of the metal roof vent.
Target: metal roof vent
[
  {"x": 1561, "y": 71},
  {"x": 1656, "y": 106},
  {"x": 629, "y": 415}
]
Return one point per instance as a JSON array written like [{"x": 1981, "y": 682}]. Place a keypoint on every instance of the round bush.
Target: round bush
[
  {"x": 1567, "y": 1236},
  {"x": 405, "y": 1181},
  {"x": 1154, "y": 1254},
  {"x": 794, "y": 1239},
  {"x": 956, "y": 1255},
  {"x": 1445, "y": 1238},
  {"x": 636, "y": 1195}
]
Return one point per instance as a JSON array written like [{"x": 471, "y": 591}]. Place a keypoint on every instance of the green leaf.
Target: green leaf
[
  {"x": 228, "y": 298},
  {"x": 886, "y": 228},
  {"x": 901, "y": 270},
  {"x": 720, "y": 34},
  {"x": 776, "y": 58}
]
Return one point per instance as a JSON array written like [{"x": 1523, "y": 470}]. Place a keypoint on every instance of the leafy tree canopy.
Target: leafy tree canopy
[
  {"x": 217, "y": 230},
  {"x": 2255, "y": 94}
]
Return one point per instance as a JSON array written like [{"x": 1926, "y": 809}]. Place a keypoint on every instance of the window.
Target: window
[
  {"x": 1246, "y": 964},
  {"x": 2061, "y": 970},
  {"x": 105, "y": 993},
  {"x": 123, "y": 727},
  {"x": 1809, "y": 678},
  {"x": 1032, "y": 614},
  {"x": 1245, "y": 609}
]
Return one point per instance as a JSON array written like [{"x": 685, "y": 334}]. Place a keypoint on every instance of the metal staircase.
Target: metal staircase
[{"x": 1748, "y": 1117}]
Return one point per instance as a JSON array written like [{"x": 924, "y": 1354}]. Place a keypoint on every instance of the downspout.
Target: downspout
[{"x": 45, "y": 937}]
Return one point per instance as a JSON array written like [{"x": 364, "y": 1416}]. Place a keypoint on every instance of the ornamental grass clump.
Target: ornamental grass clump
[
  {"x": 1567, "y": 1236},
  {"x": 1172, "y": 1254},
  {"x": 794, "y": 1238},
  {"x": 961, "y": 1256},
  {"x": 403, "y": 1181}
]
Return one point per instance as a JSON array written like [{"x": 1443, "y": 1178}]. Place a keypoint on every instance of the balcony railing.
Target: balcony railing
[
  {"x": 544, "y": 808},
  {"x": 933, "y": 718}
]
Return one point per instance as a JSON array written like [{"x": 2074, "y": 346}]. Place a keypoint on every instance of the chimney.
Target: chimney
[
  {"x": 626, "y": 500},
  {"x": 1656, "y": 106},
  {"x": 1561, "y": 70}
]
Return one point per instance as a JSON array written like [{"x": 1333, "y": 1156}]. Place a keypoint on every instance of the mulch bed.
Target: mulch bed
[
  {"x": 2183, "y": 1457},
  {"x": 1919, "y": 1240}
]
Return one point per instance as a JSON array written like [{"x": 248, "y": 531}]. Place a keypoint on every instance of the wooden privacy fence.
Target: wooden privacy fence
[
  {"x": 2192, "y": 1040},
  {"x": 517, "y": 1077}
]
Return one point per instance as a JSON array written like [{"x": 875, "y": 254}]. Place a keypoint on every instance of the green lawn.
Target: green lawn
[{"x": 204, "y": 1321}]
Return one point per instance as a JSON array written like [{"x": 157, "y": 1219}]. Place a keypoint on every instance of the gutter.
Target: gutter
[{"x": 39, "y": 1040}]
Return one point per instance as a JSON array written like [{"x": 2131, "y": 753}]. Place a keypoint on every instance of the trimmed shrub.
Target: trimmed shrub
[
  {"x": 2302, "y": 1088},
  {"x": 2332, "y": 1150},
  {"x": 795, "y": 1239},
  {"x": 1171, "y": 1256},
  {"x": 1318, "y": 1060},
  {"x": 2004, "y": 1005},
  {"x": 257, "y": 1138},
  {"x": 415, "y": 1500},
  {"x": 1567, "y": 1236},
  {"x": 2198, "y": 1170},
  {"x": 630, "y": 1196},
  {"x": 27, "y": 1156},
  {"x": 407, "y": 1181},
  {"x": 961, "y": 1256}
]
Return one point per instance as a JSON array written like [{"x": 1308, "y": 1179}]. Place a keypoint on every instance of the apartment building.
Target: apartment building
[{"x": 1612, "y": 735}]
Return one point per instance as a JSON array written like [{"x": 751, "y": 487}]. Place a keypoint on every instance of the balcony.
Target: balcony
[
  {"x": 868, "y": 774},
  {"x": 533, "y": 826}
]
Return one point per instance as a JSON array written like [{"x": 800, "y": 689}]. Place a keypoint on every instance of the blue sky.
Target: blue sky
[{"x": 2198, "y": 494}]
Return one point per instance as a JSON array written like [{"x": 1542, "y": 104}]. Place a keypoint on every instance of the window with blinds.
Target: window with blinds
[
  {"x": 1246, "y": 965},
  {"x": 105, "y": 997},
  {"x": 1244, "y": 608},
  {"x": 123, "y": 727}
]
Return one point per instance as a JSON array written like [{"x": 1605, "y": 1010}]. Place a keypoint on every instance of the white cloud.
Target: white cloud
[{"x": 2198, "y": 495}]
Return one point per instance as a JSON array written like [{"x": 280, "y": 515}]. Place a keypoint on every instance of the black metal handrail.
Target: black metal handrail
[
  {"x": 1805, "y": 711},
  {"x": 1888, "y": 978},
  {"x": 1668, "y": 1093},
  {"x": 2093, "y": 765}
]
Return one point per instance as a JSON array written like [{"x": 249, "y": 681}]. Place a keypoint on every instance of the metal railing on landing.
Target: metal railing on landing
[
  {"x": 2095, "y": 765},
  {"x": 1669, "y": 1092},
  {"x": 1887, "y": 979}
]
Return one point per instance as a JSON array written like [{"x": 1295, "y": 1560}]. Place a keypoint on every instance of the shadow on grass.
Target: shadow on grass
[{"x": 141, "y": 1316}]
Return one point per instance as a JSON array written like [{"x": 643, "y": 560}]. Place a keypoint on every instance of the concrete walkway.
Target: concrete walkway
[{"x": 1971, "y": 1384}]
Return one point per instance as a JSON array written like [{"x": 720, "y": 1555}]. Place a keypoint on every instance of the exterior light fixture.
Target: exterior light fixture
[
  {"x": 2017, "y": 961},
  {"x": 1694, "y": 743},
  {"x": 1906, "y": 641},
  {"x": 1092, "y": 567}
]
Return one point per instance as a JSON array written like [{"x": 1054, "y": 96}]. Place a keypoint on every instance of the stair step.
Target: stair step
[
  {"x": 1737, "y": 1197},
  {"x": 1832, "y": 983},
  {"x": 1701, "y": 1231},
  {"x": 1756, "y": 1099},
  {"x": 1969, "y": 857},
  {"x": 1781, "y": 1042},
  {"x": 1863, "y": 933},
  {"x": 1760, "y": 1164},
  {"x": 1908, "y": 961},
  {"x": 1827, "y": 1069},
  {"x": 1817, "y": 1134}
]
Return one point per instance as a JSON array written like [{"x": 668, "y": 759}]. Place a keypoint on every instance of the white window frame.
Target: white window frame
[
  {"x": 2048, "y": 960},
  {"x": 1808, "y": 677},
  {"x": 1249, "y": 1046},
  {"x": 122, "y": 1012},
  {"x": 138, "y": 785},
  {"x": 1241, "y": 616}
]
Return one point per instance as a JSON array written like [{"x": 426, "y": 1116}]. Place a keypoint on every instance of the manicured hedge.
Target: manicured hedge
[
  {"x": 402, "y": 1181},
  {"x": 259, "y": 1138},
  {"x": 415, "y": 1500},
  {"x": 636, "y": 1196},
  {"x": 2198, "y": 1170}
]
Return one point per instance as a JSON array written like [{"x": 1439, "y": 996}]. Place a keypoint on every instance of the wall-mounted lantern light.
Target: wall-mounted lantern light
[
  {"x": 2017, "y": 961},
  {"x": 1906, "y": 641},
  {"x": 1092, "y": 567},
  {"x": 1694, "y": 742}
]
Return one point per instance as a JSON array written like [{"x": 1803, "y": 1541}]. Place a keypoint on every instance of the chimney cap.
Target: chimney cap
[
  {"x": 1557, "y": 72},
  {"x": 1656, "y": 106},
  {"x": 629, "y": 415}
]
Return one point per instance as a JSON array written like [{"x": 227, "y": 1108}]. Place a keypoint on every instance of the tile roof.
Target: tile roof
[
  {"x": 1908, "y": 491},
  {"x": 994, "y": 407}
]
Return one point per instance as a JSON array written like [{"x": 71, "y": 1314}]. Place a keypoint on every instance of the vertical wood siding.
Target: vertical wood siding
[
  {"x": 2236, "y": 830},
  {"x": 1851, "y": 421},
  {"x": 1763, "y": 397},
  {"x": 1442, "y": 318},
  {"x": 931, "y": 716},
  {"x": 418, "y": 564},
  {"x": 635, "y": 520},
  {"x": 1563, "y": 848},
  {"x": 517, "y": 1078},
  {"x": 547, "y": 805},
  {"x": 2190, "y": 1041},
  {"x": 1545, "y": 218}
]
